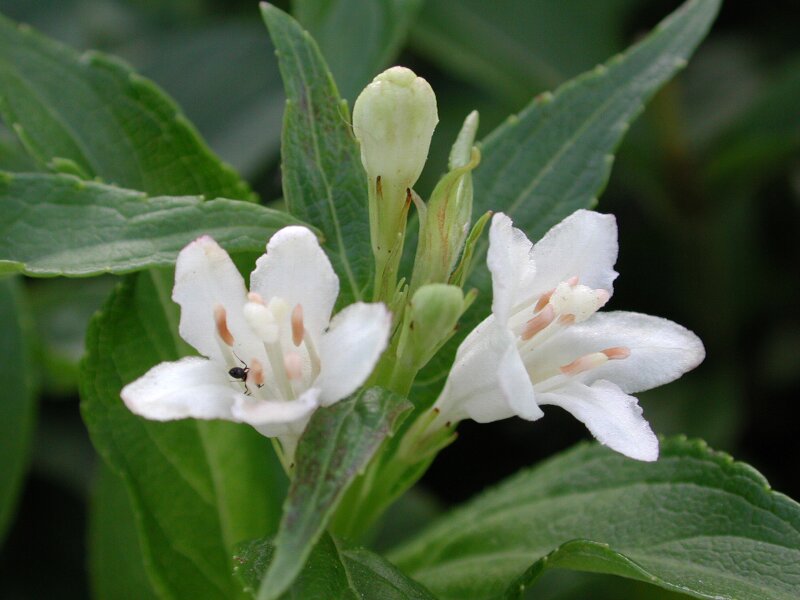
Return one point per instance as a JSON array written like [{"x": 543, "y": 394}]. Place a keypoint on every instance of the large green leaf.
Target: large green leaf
[
  {"x": 556, "y": 155},
  {"x": 116, "y": 563},
  {"x": 17, "y": 406},
  {"x": 324, "y": 183},
  {"x": 89, "y": 114},
  {"x": 62, "y": 225},
  {"x": 333, "y": 572},
  {"x": 695, "y": 522},
  {"x": 355, "y": 59},
  {"x": 514, "y": 48},
  {"x": 197, "y": 488},
  {"x": 337, "y": 444}
]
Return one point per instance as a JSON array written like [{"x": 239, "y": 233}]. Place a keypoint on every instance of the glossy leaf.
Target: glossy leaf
[
  {"x": 355, "y": 59},
  {"x": 62, "y": 225},
  {"x": 556, "y": 155},
  {"x": 336, "y": 446},
  {"x": 17, "y": 402},
  {"x": 324, "y": 183},
  {"x": 332, "y": 572},
  {"x": 90, "y": 115},
  {"x": 695, "y": 522},
  {"x": 197, "y": 488},
  {"x": 116, "y": 563}
]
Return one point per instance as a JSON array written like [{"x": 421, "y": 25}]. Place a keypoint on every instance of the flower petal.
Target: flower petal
[
  {"x": 583, "y": 245},
  {"x": 488, "y": 381},
  {"x": 509, "y": 260},
  {"x": 660, "y": 350},
  {"x": 191, "y": 387},
  {"x": 613, "y": 417},
  {"x": 296, "y": 269},
  {"x": 273, "y": 418},
  {"x": 350, "y": 349},
  {"x": 205, "y": 276}
]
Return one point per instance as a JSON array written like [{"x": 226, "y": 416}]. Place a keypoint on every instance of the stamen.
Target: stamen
[
  {"x": 255, "y": 297},
  {"x": 538, "y": 323},
  {"x": 294, "y": 365},
  {"x": 602, "y": 298},
  {"x": 594, "y": 360},
  {"x": 566, "y": 319},
  {"x": 617, "y": 352},
  {"x": 543, "y": 300},
  {"x": 298, "y": 330},
  {"x": 221, "y": 320},
  {"x": 256, "y": 372},
  {"x": 584, "y": 363},
  {"x": 573, "y": 281}
]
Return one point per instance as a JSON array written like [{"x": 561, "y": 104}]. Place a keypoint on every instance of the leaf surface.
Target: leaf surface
[
  {"x": 324, "y": 183},
  {"x": 197, "y": 488},
  {"x": 62, "y": 225},
  {"x": 332, "y": 572},
  {"x": 90, "y": 115},
  {"x": 695, "y": 522},
  {"x": 336, "y": 446}
]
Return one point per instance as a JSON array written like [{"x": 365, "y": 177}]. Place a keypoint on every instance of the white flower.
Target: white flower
[
  {"x": 273, "y": 355},
  {"x": 545, "y": 342}
]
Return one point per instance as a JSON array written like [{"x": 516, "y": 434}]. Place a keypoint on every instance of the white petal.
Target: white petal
[
  {"x": 583, "y": 245},
  {"x": 191, "y": 387},
  {"x": 205, "y": 276},
  {"x": 613, "y": 417},
  {"x": 273, "y": 418},
  {"x": 661, "y": 351},
  {"x": 349, "y": 350},
  {"x": 509, "y": 260},
  {"x": 488, "y": 381},
  {"x": 296, "y": 269}
]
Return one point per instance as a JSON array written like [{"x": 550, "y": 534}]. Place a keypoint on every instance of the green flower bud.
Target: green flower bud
[
  {"x": 393, "y": 120},
  {"x": 429, "y": 321},
  {"x": 445, "y": 223}
]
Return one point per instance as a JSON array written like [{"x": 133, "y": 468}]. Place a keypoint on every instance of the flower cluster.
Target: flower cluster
[{"x": 273, "y": 355}]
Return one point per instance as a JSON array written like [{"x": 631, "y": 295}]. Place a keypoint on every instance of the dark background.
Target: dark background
[{"x": 706, "y": 190}]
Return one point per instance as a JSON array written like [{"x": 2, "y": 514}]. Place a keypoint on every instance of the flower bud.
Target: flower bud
[
  {"x": 393, "y": 120},
  {"x": 431, "y": 319}
]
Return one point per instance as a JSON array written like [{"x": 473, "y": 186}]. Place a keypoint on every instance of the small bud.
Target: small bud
[
  {"x": 393, "y": 120},
  {"x": 431, "y": 320}
]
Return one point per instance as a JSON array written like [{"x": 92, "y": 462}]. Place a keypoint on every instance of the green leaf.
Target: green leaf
[
  {"x": 197, "y": 488},
  {"x": 324, "y": 183},
  {"x": 116, "y": 563},
  {"x": 355, "y": 59},
  {"x": 513, "y": 48},
  {"x": 90, "y": 115},
  {"x": 62, "y": 225},
  {"x": 695, "y": 522},
  {"x": 17, "y": 403},
  {"x": 556, "y": 155},
  {"x": 336, "y": 446},
  {"x": 332, "y": 572}
]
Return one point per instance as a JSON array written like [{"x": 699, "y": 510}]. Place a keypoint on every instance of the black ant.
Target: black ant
[{"x": 240, "y": 374}]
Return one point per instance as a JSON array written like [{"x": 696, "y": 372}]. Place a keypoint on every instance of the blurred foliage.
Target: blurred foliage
[{"x": 706, "y": 189}]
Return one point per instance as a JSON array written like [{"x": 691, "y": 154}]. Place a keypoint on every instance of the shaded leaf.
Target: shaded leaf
[{"x": 17, "y": 403}]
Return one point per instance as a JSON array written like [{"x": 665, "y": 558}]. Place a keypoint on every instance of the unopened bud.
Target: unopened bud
[
  {"x": 393, "y": 120},
  {"x": 432, "y": 318}
]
